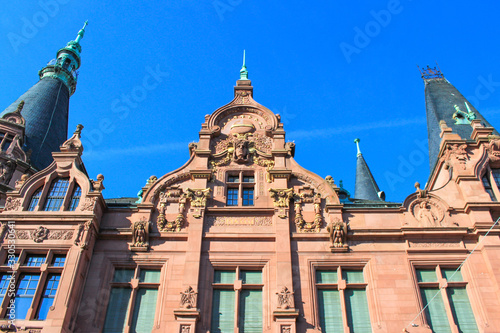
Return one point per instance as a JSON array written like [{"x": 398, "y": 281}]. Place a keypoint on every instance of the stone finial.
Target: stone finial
[
  {"x": 20, "y": 107},
  {"x": 97, "y": 184},
  {"x": 74, "y": 144}
]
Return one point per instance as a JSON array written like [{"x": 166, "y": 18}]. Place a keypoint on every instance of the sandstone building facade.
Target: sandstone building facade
[{"x": 241, "y": 238}]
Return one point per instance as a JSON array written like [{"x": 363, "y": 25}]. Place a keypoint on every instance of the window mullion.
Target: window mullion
[
  {"x": 449, "y": 313},
  {"x": 38, "y": 294},
  {"x": 69, "y": 192},
  {"x": 131, "y": 304}
]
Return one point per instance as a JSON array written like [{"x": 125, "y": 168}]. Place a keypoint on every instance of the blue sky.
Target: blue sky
[{"x": 333, "y": 70}]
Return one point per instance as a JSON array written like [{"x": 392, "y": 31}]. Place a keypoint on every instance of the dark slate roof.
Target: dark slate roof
[
  {"x": 365, "y": 188},
  {"x": 46, "y": 112},
  {"x": 121, "y": 202},
  {"x": 440, "y": 100}
]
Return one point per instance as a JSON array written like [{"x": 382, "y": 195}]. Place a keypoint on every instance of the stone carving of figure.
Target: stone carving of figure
[
  {"x": 338, "y": 233},
  {"x": 241, "y": 150},
  {"x": 317, "y": 204},
  {"x": 6, "y": 171},
  {"x": 140, "y": 234},
  {"x": 426, "y": 216}
]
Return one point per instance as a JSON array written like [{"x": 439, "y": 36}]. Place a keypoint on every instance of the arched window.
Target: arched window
[
  {"x": 34, "y": 199},
  {"x": 56, "y": 195},
  {"x": 75, "y": 198}
]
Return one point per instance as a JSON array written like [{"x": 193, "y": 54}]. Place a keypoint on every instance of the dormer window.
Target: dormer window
[
  {"x": 56, "y": 195},
  {"x": 61, "y": 195},
  {"x": 75, "y": 198},
  {"x": 35, "y": 199},
  {"x": 243, "y": 183}
]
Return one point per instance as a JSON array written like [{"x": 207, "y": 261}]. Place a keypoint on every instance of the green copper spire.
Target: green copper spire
[
  {"x": 244, "y": 71},
  {"x": 67, "y": 62},
  {"x": 356, "y": 141}
]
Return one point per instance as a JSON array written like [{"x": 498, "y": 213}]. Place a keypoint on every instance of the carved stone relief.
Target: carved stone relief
[
  {"x": 281, "y": 199},
  {"x": 185, "y": 329},
  {"x": 300, "y": 223},
  {"x": 41, "y": 233},
  {"x": 89, "y": 204},
  {"x": 189, "y": 298},
  {"x": 198, "y": 198},
  {"x": 239, "y": 221},
  {"x": 456, "y": 154},
  {"x": 427, "y": 212},
  {"x": 7, "y": 169},
  {"x": 286, "y": 329},
  {"x": 285, "y": 299},
  {"x": 338, "y": 233},
  {"x": 12, "y": 204},
  {"x": 140, "y": 235}
]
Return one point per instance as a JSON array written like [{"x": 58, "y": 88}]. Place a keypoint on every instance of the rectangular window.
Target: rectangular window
[
  {"x": 36, "y": 286},
  {"x": 227, "y": 293},
  {"x": 58, "y": 260},
  {"x": 142, "y": 310},
  {"x": 241, "y": 183},
  {"x": 33, "y": 260},
  {"x": 232, "y": 197},
  {"x": 248, "y": 197},
  {"x": 331, "y": 294},
  {"x": 456, "y": 300}
]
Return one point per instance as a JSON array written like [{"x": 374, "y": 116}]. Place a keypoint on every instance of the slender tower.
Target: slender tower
[
  {"x": 45, "y": 105},
  {"x": 444, "y": 102},
  {"x": 366, "y": 187}
]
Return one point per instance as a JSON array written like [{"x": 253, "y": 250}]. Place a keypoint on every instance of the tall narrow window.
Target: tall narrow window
[
  {"x": 48, "y": 295},
  {"x": 75, "y": 198},
  {"x": 242, "y": 296},
  {"x": 437, "y": 301},
  {"x": 56, "y": 194},
  {"x": 487, "y": 187},
  {"x": 35, "y": 198},
  {"x": 25, "y": 293},
  {"x": 331, "y": 293},
  {"x": 232, "y": 197},
  {"x": 143, "y": 308}
]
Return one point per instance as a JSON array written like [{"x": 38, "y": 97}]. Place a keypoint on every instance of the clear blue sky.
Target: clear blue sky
[{"x": 309, "y": 62}]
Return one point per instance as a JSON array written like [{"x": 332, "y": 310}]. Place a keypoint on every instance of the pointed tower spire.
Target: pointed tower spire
[
  {"x": 365, "y": 188},
  {"x": 47, "y": 102},
  {"x": 444, "y": 102},
  {"x": 243, "y": 70}
]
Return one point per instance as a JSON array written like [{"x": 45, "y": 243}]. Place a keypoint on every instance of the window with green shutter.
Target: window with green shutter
[
  {"x": 247, "y": 316},
  {"x": 435, "y": 303},
  {"x": 142, "y": 310},
  {"x": 331, "y": 294}
]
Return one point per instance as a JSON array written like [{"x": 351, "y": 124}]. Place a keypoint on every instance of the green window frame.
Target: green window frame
[
  {"x": 130, "y": 308},
  {"x": 237, "y": 301},
  {"x": 342, "y": 300},
  {"x": 446, "y": 309}
]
